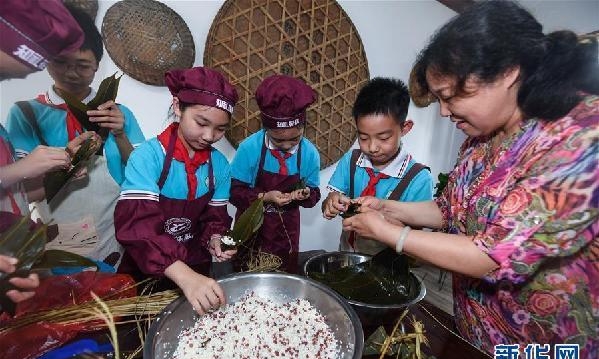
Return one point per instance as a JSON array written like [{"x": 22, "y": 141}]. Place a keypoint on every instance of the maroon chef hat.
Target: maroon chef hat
[
  {"x": 34, "y": 31},
  {"x": 203, "y": 86},
  {"x": 283, "y": 101}
]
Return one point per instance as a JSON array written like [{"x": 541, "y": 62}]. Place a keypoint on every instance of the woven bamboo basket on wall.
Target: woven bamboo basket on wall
[
  {"x": 146, "y": 38},
  {"x": 316, "y": 41},
  {"x": 88, "y": 6}
]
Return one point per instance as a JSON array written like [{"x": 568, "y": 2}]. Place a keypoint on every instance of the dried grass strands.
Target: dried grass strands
[
  {"x": 264, "y": 262},
  {"x": 388, "y": 341},
  {"x": 143, "y": 305}
]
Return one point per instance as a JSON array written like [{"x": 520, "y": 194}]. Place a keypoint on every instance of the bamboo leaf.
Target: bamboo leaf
[
  {"x": 107, "y": 90},
  {"x": 373, "y": 344},
  {"x": 56, "y": 180},
  {"x": 57, "y": 258},
  {"x": 249, "y": 222},
  {"x": 9, "y": 239},
  {"x": 79, "y": 109},
  {"x": 352, "y": 210},
  {"x": 20, "y": 242}
]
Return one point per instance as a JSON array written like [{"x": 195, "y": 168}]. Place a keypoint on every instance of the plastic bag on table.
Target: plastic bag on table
[{"x": 55, "y": 292}]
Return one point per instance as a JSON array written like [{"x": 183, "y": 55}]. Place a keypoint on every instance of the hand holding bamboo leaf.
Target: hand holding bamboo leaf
[
  {"x": 54, "y": 181},
  {"x": 107, "y": 92},
  {"x": 246, "y": 225}
]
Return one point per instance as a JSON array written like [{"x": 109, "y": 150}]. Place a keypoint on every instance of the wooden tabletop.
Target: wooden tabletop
[{"x": 438, "y": 326}]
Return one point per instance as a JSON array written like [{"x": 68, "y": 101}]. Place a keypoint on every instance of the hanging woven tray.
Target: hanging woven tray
[
  {"x": 146, "y": 38},
  {"x": 312, "y": 40}
]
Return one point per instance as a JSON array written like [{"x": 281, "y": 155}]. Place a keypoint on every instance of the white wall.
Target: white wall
[{"x": 392, "y": 33}]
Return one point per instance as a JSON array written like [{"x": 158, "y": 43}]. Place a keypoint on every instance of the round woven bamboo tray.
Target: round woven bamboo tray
[
  {"x": 88, "y": 6},
  {"x": 312, "y": 40},
  {"x": 146, "y": 38}
]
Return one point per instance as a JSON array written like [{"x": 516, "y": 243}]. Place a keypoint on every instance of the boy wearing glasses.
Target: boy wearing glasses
[{"x": 83, "y": 210}]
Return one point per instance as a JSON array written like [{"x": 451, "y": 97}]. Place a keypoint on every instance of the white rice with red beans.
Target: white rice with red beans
[{"x": 256, "y": 328}]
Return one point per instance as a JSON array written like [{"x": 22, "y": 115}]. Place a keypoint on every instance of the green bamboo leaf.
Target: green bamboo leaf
[
  {"x": 56, "y": 258},
  {"x": 9, "y": 239},
  {"x": 374, "y": 343},
  {"x": 107, "y": 90},
  {"x": 32, "y": 249},
  {"x": 56, "y": 180},
  {"x": 249, "y": 222},
  {"x": 352, "y": 210},
  {"x": 79, "y": 109}
]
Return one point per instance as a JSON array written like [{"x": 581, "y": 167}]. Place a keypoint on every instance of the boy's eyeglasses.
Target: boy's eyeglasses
[{"x": 83, "y": 70}]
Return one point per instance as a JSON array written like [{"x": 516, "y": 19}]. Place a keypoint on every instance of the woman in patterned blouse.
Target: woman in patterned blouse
[{"x": 520, "y": 214}]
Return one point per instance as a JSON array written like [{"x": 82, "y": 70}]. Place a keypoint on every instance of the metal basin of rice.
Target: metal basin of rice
[
  {"x": 162, "y": 339},
  {"x": 369, "y": 314}
]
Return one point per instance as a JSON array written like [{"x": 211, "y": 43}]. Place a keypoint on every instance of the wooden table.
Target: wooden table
[{"x": 443, "y": 343}]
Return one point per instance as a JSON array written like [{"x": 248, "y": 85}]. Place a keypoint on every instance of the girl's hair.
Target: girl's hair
[
  {"x": 385, "y": 96},
  {"x": 492, "y": 37},
  {"x": 92, "y": 39}
]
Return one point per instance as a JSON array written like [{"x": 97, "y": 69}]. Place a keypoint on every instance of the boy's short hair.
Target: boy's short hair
[
  {"x": 383, "y": 96},
  {"x": 93, "y": 38}
]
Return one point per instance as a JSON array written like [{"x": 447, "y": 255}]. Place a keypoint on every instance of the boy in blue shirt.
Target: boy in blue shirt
[
  {"x": 83, "y": 210},
  {"x": 380, "y": 167},
  {"x": 268, "y": 164}
]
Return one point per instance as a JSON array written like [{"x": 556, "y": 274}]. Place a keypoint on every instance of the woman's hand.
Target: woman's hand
[
  {"x": 370, "y": 203},
  {"x": 300, "y": 194},
  {"x": 334, "y": 204},
  {"x": 203, "y": 293},
  {"x": 214, "y": 247},
  {"x": 367, "y": 224},
  {"x": 277, "y": 197},
  {"x": 108, "y": 115}
]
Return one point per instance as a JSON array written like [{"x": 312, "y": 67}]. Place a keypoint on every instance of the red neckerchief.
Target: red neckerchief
[
  {"x": 74, "y": 128},
  {"x": 370, "y": 190},
  {"x": 281, "y": 157},
  {"x": 181, "y": 154}
]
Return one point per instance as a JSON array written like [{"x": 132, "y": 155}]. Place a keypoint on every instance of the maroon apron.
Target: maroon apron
[
  {"x": 182, "y": 218},
  {"x": 279, "y": 234}
]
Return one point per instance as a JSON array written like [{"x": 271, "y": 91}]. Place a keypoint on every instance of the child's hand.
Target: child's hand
[
  {"x": 214, "y": 247},
  {"x": 300, "y": 194},
  {"x": 108, "y": 115},
  {"x": 277, "y": 197},
  {"x": 203, "y": 293},
  {"x": 334, "y": 204}
]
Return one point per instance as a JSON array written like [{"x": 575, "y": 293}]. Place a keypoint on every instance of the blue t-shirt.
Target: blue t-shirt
[
  {"x": 145, "y": 165},
  {"x": 52, "y": 124},
  {"x": 419, "y": 189},
  {"x": 245, "y": 164}
]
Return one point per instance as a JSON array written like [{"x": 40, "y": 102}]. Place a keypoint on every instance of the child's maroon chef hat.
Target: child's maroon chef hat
[
  {"x": 202, "y": 86},
  {"x": 283, "y": 101},
  {"x": 34, "y": 32}
]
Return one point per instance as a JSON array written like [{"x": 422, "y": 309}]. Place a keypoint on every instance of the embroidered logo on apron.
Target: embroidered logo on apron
[{"x": 176, "y": 226}]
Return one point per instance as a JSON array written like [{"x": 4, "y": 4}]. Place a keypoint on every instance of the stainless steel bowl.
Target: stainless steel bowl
[
  {"x": 162, "y": 339},
  {"x": 369, "y": 314}
]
